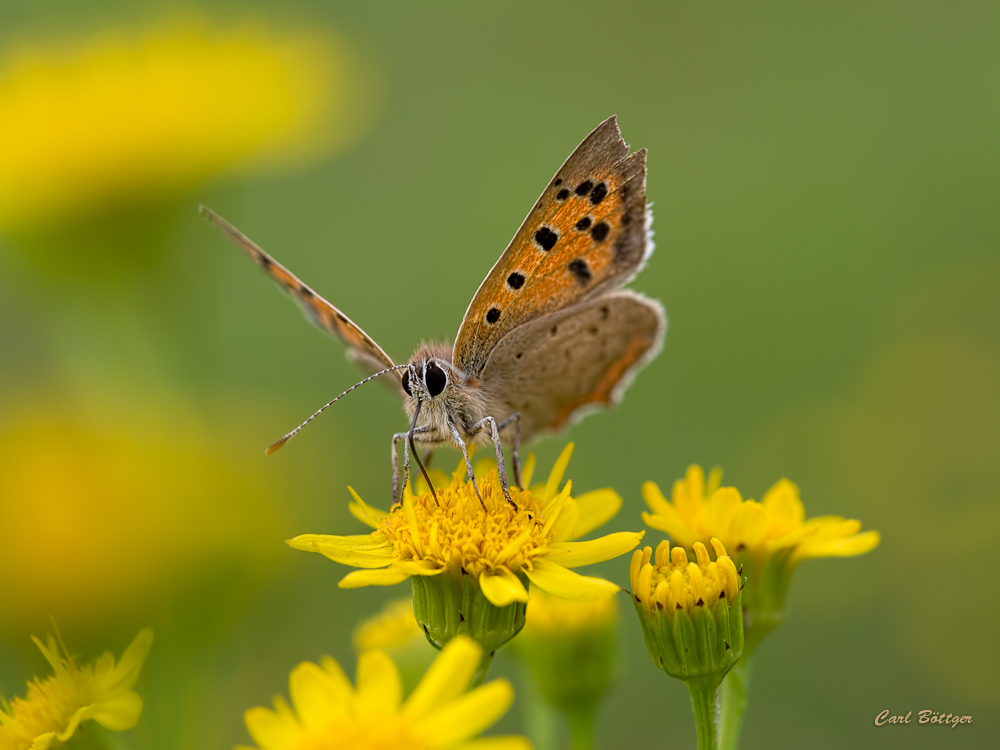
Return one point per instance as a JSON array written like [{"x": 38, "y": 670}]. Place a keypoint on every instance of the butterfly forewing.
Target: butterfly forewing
[
  {"x": 586, "y": 235},
  {"x": 363, "y": 348}
]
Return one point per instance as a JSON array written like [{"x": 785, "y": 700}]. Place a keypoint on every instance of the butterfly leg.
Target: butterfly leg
[
  {"x": 419, "y": 434},
  {"x": 468, "y": 463},
  {"x": 501, "y": 469},
  {"x": 515, "y": 443}
]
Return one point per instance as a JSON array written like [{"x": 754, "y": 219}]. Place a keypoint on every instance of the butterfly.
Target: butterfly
[{"x": 549, "y": 335}]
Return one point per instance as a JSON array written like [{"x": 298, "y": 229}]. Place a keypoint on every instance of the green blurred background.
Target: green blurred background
[{"x": 825, "y": 187}]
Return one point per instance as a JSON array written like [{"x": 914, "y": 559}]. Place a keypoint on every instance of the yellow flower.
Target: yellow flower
[
  {"x": 554, "y": 616},
  {"x": 569, "y": 647},
  {"x": 55, "y": 706},
  {"x": 394, "y": 627},
  {"x": 137, "y": 506},
  {"x": 699, "y": 510},
  {"x": 768, "y": 539},
  {"x": 327, "y": 712},
  {"x": 128, "y": 113},
  {"x": 670, "y": 583},
  {"x": 424, "y": 536}
]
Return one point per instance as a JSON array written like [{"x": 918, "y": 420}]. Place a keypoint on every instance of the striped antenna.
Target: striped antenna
[{"x": 281, "y": 441}]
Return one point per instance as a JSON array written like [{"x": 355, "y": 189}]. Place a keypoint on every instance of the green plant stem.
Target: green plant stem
[
  {"x": 705, "y": 704},
  {"x": 581, "y": 725},
  {"x": 540, "y": 718},
  {"x": 484, "y": 666},
  {"x": 735, "y": 689}
]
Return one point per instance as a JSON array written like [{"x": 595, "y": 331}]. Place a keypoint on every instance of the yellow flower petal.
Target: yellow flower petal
[
  {"x": 124, "y": 675},
  {"x": 418, "y": 567},
  {"x": 269, "y": 729},
  {"x": 528, "y": 470},
  {"x": 74, "y": 721},
  {"x": 748, "y": 525},
  {"x": 575, "y": 554},
  {"x": 567, "y": 521},
  {"x": 596, "y": 509},
  {"x": 498, "y": 743},
  {"x": 43, "y": 741},
  {"x": 784, "y": 508},
  {"x": 654, "y": 498},
  {"x": 851, "y": 546},
  {"x": 387, "y": 577},
  {"x": 466, "y": 716},
  {"x": 365, "y": 513},
  {"x": 118, "y": 712},
  {"x": 317, "y": 694},
  {"x": 447, "y": 678},
  {"x": 502, "y": 587},
  {"x": 556, "y": 475},
  {"x": 360, "y": 551},
  {"x": 557, "y": 580},
  {"x": 672, "y": 524},
  {"x": 379, "y": 685}
]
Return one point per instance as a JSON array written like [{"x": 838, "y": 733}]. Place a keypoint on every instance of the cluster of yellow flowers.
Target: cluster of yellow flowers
[{"x": 471, "y": 564}]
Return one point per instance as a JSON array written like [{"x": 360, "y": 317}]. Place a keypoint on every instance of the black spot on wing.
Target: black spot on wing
[
  {"x": 546, "y": 238},
  {"x": 493, "y": 315},
  {"x": 600, "y": 231},
  {"x": 515, "y": 280},
  {"x": 584, "y": 187},
  {"x": 583, "y": 224},
  {"x": 558, "y": 182},
  {"x": 579, "y": 268},
  {"x": 562, "y": 194},
  {"x": 598, "y": 194}
]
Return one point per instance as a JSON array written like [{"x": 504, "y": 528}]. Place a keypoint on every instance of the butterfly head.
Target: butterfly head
[{"x": 427, "y": 379}]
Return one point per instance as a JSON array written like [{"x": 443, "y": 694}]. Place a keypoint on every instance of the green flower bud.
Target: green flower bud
[{"x": 690, "y": 613}]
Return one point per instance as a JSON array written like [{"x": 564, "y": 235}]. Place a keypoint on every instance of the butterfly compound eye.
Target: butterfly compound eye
[
  {"x": 406, "y": 383},
  {"x": 435, "y": 379}
]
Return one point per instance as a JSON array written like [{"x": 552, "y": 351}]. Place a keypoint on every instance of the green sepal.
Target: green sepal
[
  {"x": 452, "y": 602},
  {"x": 707, "y": 641}
]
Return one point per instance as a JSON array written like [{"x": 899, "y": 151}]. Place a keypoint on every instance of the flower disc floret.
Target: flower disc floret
[
  {"x": 452, "y": 530},
  {"x": 670, "y": 582}
]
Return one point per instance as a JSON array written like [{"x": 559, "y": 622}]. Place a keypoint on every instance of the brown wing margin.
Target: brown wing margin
[{"x": 362, "y": 347}]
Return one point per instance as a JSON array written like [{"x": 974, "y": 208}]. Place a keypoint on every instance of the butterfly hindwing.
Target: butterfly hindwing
[
  {"x": 587, "y": 235},
  {"x": 361, "y": 346},
  {"x": 582, "y": 357}
]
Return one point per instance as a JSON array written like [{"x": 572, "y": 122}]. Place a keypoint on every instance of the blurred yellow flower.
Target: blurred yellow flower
[
  {"x": 133, "y": 507},
  {"x": 699, "y": 510},
  {"x": 55, "y": 706},
  {"x": 497, "y": 548},
  {"x": 327, "y": 712},
  {"x": 127, "y": 113},
  {"x": 394, "y": 627},
  {"x": 549, "y": 615}
]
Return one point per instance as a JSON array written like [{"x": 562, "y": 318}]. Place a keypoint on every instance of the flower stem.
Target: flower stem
[
  {"x": 735, "y": 688},
  {"x": 705, "y": 704},
  {"x": 581, "y": 725},
  {"x": 484, "y": 666}
]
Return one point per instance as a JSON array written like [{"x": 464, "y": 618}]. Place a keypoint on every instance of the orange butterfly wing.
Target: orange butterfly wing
[
  {"x": 361, "y": 346},
  {"x": 587, "y": 235}
]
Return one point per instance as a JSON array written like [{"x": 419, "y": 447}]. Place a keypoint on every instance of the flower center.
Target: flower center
[
  {"x": 670, "y": 582},
  {"x": 459, "y": 533}
]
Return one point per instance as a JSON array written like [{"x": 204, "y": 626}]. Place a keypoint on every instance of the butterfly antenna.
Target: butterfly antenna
[
  {"x": 281, "y": 441},
  {"x": 416, "y": 456}
]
